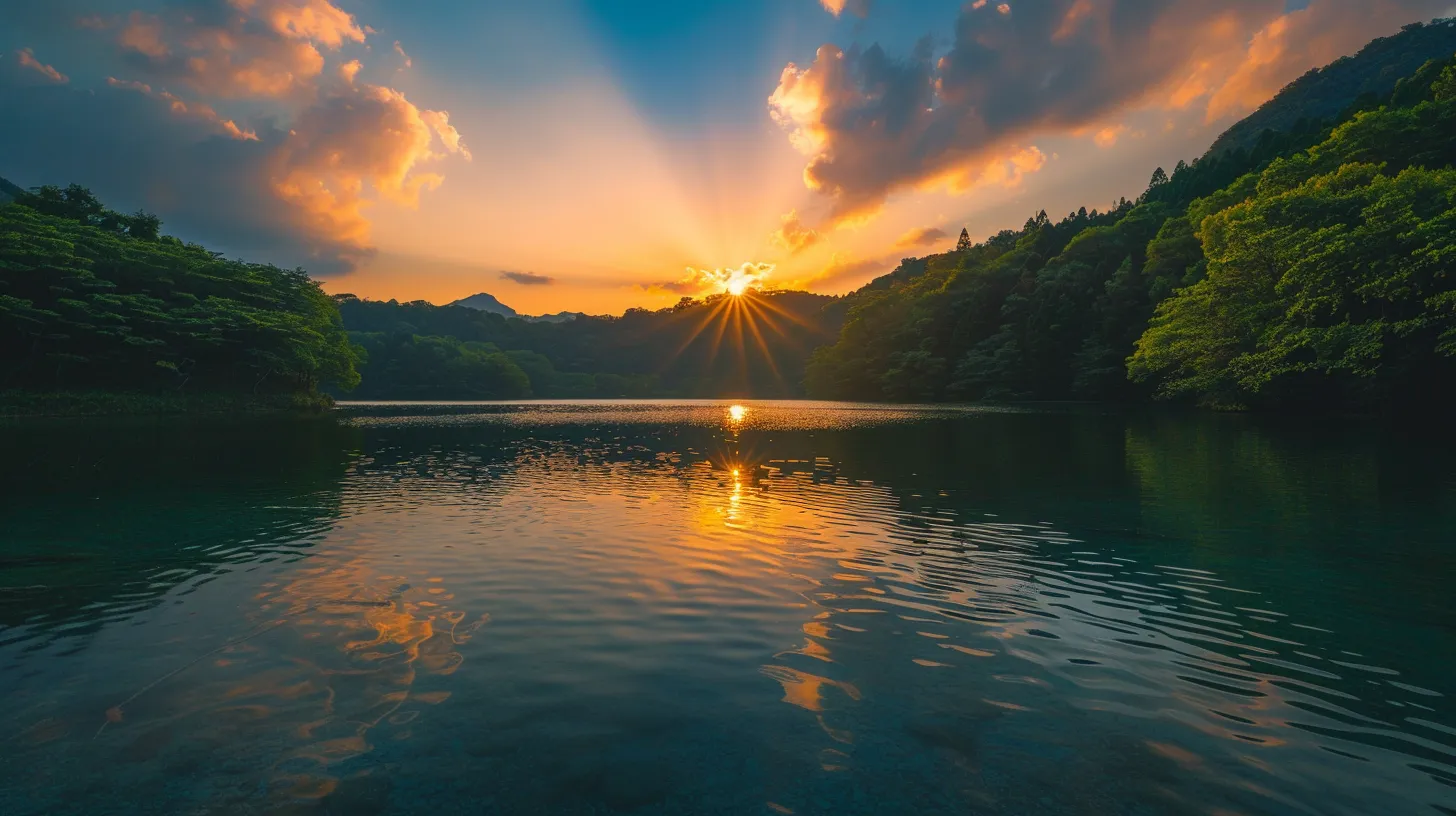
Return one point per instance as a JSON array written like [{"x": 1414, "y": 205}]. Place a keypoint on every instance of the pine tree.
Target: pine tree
[{"x": 964, "y": 244}]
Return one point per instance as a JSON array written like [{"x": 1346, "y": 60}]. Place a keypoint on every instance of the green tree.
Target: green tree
[{"x": 96, "y": 300}]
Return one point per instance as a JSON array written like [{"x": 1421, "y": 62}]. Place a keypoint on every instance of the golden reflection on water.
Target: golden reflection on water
[
  {"x": 849, "y": 596},
  {"x": 386, "y": 636}
]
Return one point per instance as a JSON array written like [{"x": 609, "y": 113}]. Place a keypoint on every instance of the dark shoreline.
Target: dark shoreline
[{"x": 22, "y": 404}]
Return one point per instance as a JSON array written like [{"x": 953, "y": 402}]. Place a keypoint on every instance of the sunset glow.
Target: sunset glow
[
  {"x": 396, "y": 156},
  {"x": 859, "y": 407}
]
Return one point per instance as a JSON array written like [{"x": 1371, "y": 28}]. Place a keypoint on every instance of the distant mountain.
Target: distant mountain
[
  {"x": 486, "y": 303},
  {"x": 1323, "y": 93},
  {"x": 9, "y": 192}
]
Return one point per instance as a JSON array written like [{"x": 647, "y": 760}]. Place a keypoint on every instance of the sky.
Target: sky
[{"x": 596, "y": 155}]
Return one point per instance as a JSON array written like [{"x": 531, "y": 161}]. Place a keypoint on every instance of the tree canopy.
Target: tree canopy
[
  {"x": 1314, "y": 269},
  {"x": 90, "y": 298}
]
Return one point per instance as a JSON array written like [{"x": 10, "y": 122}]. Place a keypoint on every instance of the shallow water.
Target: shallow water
[{"x": 662, "y": 608}]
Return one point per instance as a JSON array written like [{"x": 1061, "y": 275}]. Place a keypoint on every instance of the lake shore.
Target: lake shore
[{"x": 19, "y": 403}]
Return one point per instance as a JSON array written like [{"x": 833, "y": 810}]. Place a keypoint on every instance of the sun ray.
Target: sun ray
[
  {"x": 761, "y": 313},
  {"x": 722, "y": 329},
  {"x": 696, "y": 332},
  {"x": 737, "y": 319},
  {"x": 784, "y": 313},
  {"x": 763, "y": 347}
]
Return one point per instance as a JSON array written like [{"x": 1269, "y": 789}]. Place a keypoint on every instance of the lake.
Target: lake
[{"x": 677, "y": 608}]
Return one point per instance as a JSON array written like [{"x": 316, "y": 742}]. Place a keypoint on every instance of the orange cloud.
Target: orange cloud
[
  {"x": 27, "y": 59},
  {"x": 993, "y": 170},
  {"x": 845, "y": 273},
  {"x": 871, "y": 124},
  {"x": 922, "y": 236},
  {"x": 143, "y": 35},
  {"x": 267, "y": 48},
  {"x": 364, "y": 137},
  {"x": 1303, "y": 39},
  {"x": 859, "y": 8},
  {"x": 793, "y": 235},
  {"x": 733, "y": 279},
  {"x": 196, "y": 110},
  {"x": 318, "y": 21},
  {"x": 1107, "y": 137},
  {"x": 349, "y": 70},
  {"x": 1080, "y": 11}
]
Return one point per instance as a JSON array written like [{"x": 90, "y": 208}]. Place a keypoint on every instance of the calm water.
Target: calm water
[{"x": 673, "y": 609}]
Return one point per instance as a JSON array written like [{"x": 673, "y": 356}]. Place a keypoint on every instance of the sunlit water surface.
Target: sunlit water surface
[{"x": 684, "y": 608}]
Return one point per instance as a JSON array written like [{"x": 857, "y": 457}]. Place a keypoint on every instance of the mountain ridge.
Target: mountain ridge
[
  {"x": 486, "y": 302},
  {"x": 9, "y": 191},
  {"x": 1322, "y": 94}
]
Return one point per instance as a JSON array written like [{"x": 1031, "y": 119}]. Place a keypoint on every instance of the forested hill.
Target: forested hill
[
  {"x": 754, "y": 345},
  {"x": 1320, "y": 96},
  {"x": 93, "y": 300},
  {"x": 1312, "y": 270},
  {"x": 9, "y": 192}
]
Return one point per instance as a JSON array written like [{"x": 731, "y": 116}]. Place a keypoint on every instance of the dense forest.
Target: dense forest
[
  {"x": 754, "y": 345},
  {"x": 95, "y": 300},
  {"x": 1312, "y": 269}
]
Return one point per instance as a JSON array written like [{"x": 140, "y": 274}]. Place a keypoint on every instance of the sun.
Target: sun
[
  {"x": 733, "y": 280},
  {"x": 736, "y": 413}
]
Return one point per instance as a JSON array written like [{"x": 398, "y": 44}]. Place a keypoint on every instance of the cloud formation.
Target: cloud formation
[
  {"x": 296, "y": 185},
  {"x": 27, "y": 59},
  {"x": 238, "y": 48},
  {"x": 199, "y": 111},
  {"x": 859, "y": 8},
  {"x": 922, "y": 236},
  {"x": 528, "y": 278},
  {"x": 871, "y": 124},
  {"x": 845, "y": 273},
  {"x": 733, "y": 280},
  {"x": 363, "y": 136},
  {"x": 793, "y": 235}
]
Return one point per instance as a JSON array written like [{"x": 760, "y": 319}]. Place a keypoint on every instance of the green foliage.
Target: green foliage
[
  {"x": 410, "y": 367},
  {"x": 1327, "y": 94},
  {"x": 90, "y": 299},
  {"x": 1311, "y": 269},
  {"x": 1335, "y": 289},
  {"x": 1444, "y": 89},
  {"x": 755, "y": 345}
]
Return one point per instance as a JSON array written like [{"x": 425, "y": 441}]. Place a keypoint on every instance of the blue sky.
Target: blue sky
[{"x": 632, "y": 151}]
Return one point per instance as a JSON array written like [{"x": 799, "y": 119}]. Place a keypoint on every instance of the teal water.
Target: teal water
[{"x": 663, "y": 608}]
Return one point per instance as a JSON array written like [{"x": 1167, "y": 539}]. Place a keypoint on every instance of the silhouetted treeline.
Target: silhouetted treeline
[
  {"x": 754, "y": 345},
  {"x": 1312, "y": 270}
]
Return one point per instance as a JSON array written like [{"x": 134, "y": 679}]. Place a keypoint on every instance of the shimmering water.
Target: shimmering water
[{"x": 665, "y": 609}]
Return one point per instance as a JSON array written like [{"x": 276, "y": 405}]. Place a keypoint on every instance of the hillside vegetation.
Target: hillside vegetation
[
  {"x": 91, "y": 299},
  {"x": 756, "y": 345},
  {"x": 1313, "y": 270}
]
